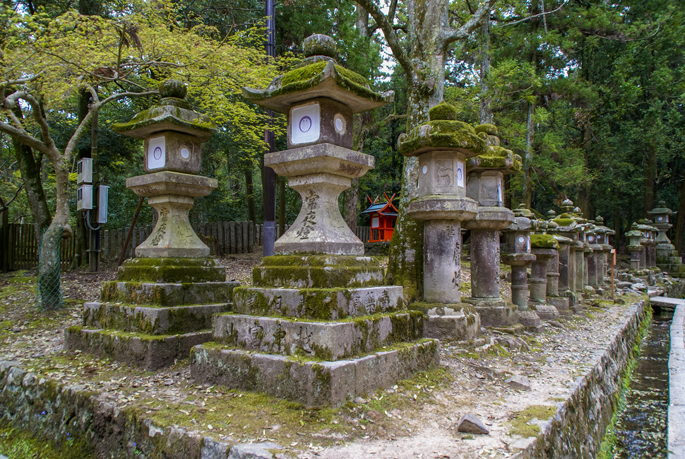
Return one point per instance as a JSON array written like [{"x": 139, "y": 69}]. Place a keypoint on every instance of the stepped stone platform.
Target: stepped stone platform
[
  {"x": 293, "y": 335},
  {"x": 156, "y": 320}
]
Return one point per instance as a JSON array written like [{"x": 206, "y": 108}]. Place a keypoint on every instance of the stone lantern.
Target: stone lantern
[
  {"x": 544, "y": 246},
  {"x": 593, "y": 263},
  {"x": 173, "y": 135},
  {"x": 517, "y": 255},
  {"x": 442, "y": 146},
  {"x": 634, "y": 247},
  {"x": 553, "y": 268},
  {"x": 666, "y": 256},
  {"x": 645, "y": 243},
  {"x": 485, "y": 185},
  {"x": 164, "y": 299},
  {"x": 290, "y": 334},
  {"x": 569, "y": 228},
  {"x": 603, "y": 251},
  {"x": 664, "y": 249}
]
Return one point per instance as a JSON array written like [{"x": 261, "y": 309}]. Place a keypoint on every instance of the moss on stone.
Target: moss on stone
[
  {"x": 303, "y": 73},
  {"x": 441, "y": 134},
  {"x": 543, "y": 241},
  {"x": 443, "y": 111},
  {"x": 489, "y": 129},
  {"x": 564, "y": 221}
]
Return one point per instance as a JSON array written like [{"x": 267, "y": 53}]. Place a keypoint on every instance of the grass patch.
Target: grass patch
[
  {"x": 19, "y": 444},
  {"x": 519, "y": 423}
]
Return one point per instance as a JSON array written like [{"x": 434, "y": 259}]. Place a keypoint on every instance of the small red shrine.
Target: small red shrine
[{"x": 383, "y": 216}]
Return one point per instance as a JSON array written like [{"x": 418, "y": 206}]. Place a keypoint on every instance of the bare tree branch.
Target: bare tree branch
[
  {"x": 535, "y": 15},
  {"x": 390, "y": 35},
  {"x": 20, "y": 81},
  {"x": 451, "y": 35},
  {"x": 6, "y": 205},
  {"x": 391, "y": 12}
]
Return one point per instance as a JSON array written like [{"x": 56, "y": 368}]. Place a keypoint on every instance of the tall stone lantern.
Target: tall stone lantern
[
  {"x": 666, "y": 256},
  {"x": 442, "y": 145},
  {"x": 163, "y": 300},
  {"x": 568, "y": 227},
  {"x": 634, "y": 247},
  {"x": 517, "y": 255},
  {"x": 664, "y": 248},
  {"x": 318, "y": 325},
  {"x": 485, "y": 185},
  {"x": 544, "y": 246}
]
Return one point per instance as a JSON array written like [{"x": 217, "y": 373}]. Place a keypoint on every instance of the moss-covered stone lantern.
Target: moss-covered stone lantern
[
  {"x": 318, "y": 325},
  {"x": 544, "y": 246},
  {"x": 664, "y": 249},
  {"x": 319, "y": 99},
  {"x": 666, "y": 256},
  {"x": 634, "y": 247},
  {"x": 442, "y": 145},
  {"x": 173, "y": 135},
  {"x": 569, "y": 226},
  {"x": 486, "y": 186},
  {"x": 554, "y": 267},
  {"x": 162, "y": 302},
  {"x": 517, "y": 255}
]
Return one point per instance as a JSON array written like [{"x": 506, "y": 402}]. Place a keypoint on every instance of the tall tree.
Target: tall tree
[{"x": 420, "y": 42}]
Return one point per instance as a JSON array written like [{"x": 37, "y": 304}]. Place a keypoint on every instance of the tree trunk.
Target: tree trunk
[
  {"x": 650, "y": 178},
  {"x": 527, "y": 192},
  {"x": 350, "y": 204},
  {"x": 249, "y": 190},
  {"x": 680, "y": 222},
  {"x": 486, "y": 116},
  {"x": 281, "y": 205},
  {"x": 30, "y": 174},
  {"x": 424, "y": 90},
  {"x": 49, "y": 279}
]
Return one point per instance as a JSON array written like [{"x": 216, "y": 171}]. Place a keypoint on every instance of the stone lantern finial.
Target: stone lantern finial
[
  {"x": 319, "y": 45},
  {"x": 567, "y": 205}
]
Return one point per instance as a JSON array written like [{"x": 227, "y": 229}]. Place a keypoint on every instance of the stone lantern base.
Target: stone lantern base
[
  {"x": 155, "y": 312},
  {"x": 297, "y": 334}
]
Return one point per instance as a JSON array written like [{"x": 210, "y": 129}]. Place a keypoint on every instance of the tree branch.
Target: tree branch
[
  {"x": 6, "y": 205},
  {"x": 22, "y": 136},
  {"x": 390, "y": 36},
  {"x": 451, "y": 35},
  {"x": 535, "y": 15}
]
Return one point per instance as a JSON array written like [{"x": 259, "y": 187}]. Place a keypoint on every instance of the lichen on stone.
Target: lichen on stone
[{"x": 443, "y": 111}]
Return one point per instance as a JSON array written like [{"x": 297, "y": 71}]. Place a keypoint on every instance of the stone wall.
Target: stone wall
[
  {"x": 577, "y": 429},
  {"x": 58, "y": 413}
]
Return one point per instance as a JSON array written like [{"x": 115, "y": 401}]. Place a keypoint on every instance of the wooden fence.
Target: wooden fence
[{"x": 19, "y": 249}]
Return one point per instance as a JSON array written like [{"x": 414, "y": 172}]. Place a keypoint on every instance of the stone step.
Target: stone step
[
  {"x": 311, "y": 382},
  {"x": 321, "y": 340},
  {"x": 167, "y": 294},
  {"x": 171, "y": 270},
  {"x": 448, "y": 322},
  {"x": 318, "y": 271},
  {"x": 152, "y": 320},
  {"x": 149, "y": 352},
  {"x": 318, "y": 304}
]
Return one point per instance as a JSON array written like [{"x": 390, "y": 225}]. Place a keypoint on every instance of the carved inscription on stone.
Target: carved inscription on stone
[
  {"x": 256, "y": 335},
  {"x": 309, "y": 206},
  {"x": 304, "y": 340},
  {"x": 278, "y": 339},
  {"x": 161, "y": 228},
  {"x": 444, "y": 173},
  {"x": 456, "y": 277}
]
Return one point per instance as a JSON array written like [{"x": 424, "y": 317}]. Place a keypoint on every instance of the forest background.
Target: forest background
[{"x": 589, "y": 93}]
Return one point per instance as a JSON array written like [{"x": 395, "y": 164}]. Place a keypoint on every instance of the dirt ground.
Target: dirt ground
[{"x": 415, "y": 418}]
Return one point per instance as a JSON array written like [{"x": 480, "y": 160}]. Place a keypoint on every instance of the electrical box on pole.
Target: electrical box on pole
[
  {"x": 103, "y": 195},
  {"x": 84, "y": 171}
]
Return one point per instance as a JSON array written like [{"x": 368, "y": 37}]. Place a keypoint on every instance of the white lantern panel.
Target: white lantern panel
[
  {"x": 156, "y": 153},
  {"x": 460, "y": 174},
  {"x": 374, "y": 222},
  {"x": 305, "y": 124}
]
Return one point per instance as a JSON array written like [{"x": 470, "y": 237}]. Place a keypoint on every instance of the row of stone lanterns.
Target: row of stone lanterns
[{"x": 319, "y": 298}]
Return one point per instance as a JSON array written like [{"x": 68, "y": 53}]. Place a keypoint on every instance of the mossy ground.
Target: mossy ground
[
  {"x": 19, "y": 444},
  {"x": 520, "y": 423}
]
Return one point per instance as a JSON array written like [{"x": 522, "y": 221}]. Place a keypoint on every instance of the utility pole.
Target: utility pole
[{"x": 269, "y": 184}]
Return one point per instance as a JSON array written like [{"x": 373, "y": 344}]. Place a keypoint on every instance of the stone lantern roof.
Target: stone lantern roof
[
  {"x": 495, "y": 156},
  {"x": 661, "y": 210},
  {"x": 319, "y": 76},
  {"x": 442, "y": 132},
  {"x": 172, "y": 114}
]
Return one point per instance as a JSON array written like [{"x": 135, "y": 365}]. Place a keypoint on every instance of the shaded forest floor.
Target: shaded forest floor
[{"x": 415, "y": 418}]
